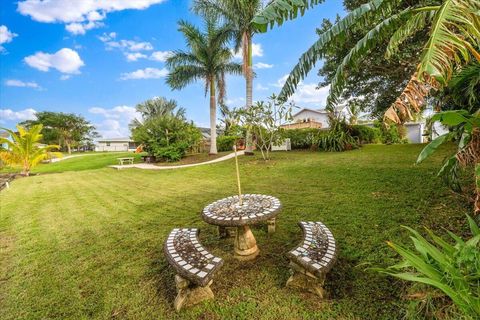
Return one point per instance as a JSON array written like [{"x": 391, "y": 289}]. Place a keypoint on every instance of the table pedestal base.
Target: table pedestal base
[{"x": 245, "y": 244}]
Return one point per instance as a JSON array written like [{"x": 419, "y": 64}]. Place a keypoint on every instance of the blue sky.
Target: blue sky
[{"x": 101, "y": 58}]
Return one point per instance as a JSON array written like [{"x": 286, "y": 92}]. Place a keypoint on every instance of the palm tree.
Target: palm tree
[
  {"x": 158, "y": 106},
  {"x": 453, "y": 38},
  {"x": 24, "y": 148},
  {"x": 207, "y": 59},
  {"x": 238, "y": 15}
]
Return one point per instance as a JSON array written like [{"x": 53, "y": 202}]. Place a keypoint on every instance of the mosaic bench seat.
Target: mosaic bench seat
[
  {"x": 313, "y": 258},
  {"x": 195, "y": 267}
]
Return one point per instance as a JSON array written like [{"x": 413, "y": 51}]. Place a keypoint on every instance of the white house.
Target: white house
[
  {"x": 314, "y": 118},
  {"x": 318, "y": 118},
  {"x": 115, "y": 144}
]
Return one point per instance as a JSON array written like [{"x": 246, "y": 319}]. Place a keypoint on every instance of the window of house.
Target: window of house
[{"x": 108, "y": 144}]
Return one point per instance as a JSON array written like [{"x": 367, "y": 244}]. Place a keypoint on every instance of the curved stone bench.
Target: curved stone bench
[
  {"x": 313, "y": 258},
  {"x": 194, "y": 265}
]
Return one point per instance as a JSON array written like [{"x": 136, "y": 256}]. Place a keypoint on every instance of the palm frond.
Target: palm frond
[
  {"x": 454, "y": 21},
  {"x": 183, "y": 75},
  {"x": 416, "y": 23},
  {"x": 412, "y": 99},
  {"x": 317, "y": 51},
  {"x": 364, "y": 45},
  {"x": 278, "y": 11}
]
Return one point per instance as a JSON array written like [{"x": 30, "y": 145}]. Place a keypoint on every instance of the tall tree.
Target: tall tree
[
  {"x": 158, "y": 106},
  {"x": 65, "y": 129},
  {"x": 207, "y": 59},
  {"x": 452, "y": 40},
  {"x": 24, "y": 148},
  {"x": 239, "y": 15}
]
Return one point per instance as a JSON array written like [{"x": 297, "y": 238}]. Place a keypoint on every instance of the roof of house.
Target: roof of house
[
  {"x": 319, "y": 111},
  {"x": 115, "y": 140}
]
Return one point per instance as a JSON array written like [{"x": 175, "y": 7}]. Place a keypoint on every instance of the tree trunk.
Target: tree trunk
[
  {"x": 249, "y": 87},
  {"x": 69, "y": 148},
  {"x": 213, "y": 118}
]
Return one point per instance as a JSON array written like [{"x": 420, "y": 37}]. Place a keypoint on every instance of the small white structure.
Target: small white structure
[
  {"x": 115, "y": 144},
  {"x": 285, "y": 146},
  {"x": 415, "y": 132}
]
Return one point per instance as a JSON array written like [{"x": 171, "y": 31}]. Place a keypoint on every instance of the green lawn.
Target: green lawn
[{"x": 88, "y": 244}]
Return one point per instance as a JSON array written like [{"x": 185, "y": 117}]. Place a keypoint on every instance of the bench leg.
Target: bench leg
[
  {"x": 304, "y": 280},
  {"x": 271, "y": 225},
  {"x": 189, "y": 294}
]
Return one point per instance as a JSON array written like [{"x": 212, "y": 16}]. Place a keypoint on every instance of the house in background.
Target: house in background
[
  {"x": 313, "y": 118},
  {"x": 115, "y": 144},
  {"x": 318, "y": 118}
]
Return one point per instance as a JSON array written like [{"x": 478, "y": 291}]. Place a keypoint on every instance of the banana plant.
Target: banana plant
[
  {"x": 454, "y": 36},
  {"x": 465, "y": 128},
  {"x": 453, "y": 269}
]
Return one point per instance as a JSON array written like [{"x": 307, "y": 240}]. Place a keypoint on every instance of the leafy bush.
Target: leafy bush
[
  {"x": 453, "y": 269},
  {"x": 391, "y": 134},
  {"x": 171, "y": 153},
  {"x": 226, "y": 143},
  {"x": 338, "y": 138},
  {"x": 303, "y": 138},
  {"x": 366, "y": 134},
  {"x": 167, "y": 136}
]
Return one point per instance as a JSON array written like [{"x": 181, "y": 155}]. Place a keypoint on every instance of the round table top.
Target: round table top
[{"x": 228, "y": 212}]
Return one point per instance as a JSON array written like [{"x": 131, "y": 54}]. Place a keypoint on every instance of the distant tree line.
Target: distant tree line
[{"x": 68, "y": 130}]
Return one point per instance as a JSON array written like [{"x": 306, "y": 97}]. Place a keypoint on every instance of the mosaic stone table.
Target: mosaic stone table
[{"x": 228, "y": 212}]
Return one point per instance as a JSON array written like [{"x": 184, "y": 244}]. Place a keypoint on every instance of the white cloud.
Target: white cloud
[
  {"x": 6, "y": 36},
  {"x": 20, "y": 83},
  {"x": 78, "y": 15},
  {"x": 22, "y": 115},
  {"x": 260, "y": 87},
  {"x": 235, "y": 102},
  {"x": 115, "y": 124},
  {"x": 135, "y": 56},
  {"x": 257, "y": 51},
  {"x": 147, "y": 73},
  {"x": 306, "y": 93},
  {"x": 64, "y": 77},
  {"x": 261, "y": 65},
  {"x": 64, "y": 60},
  {"x": 161, "y": 55}
]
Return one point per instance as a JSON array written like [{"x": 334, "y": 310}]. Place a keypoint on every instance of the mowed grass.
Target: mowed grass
[{"x": 88, "y": 244}]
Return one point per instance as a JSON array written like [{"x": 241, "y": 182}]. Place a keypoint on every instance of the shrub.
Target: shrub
[
  {"x": 303, "y": 138},
  {"x": 366, "y": 134},
  {"x": 338, "y": 138},
  {"x": 171, "y": 153},
  {"x": 167, "y": 136},
  {"x": 391, "y": 134},
  {"x": 453, "y": 269},
  {"x": 226, "y": 143}
]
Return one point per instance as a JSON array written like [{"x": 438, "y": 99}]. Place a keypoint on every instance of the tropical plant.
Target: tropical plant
[
  {"x": 239, "y": 16},
  {"x": 454, "y": 35},
  {"x": 167, "y": 136},
  {"x": 65, "y": 129},
  {"x": 365, "y": 134},
  {"x": 226, "y": 143},
  {"x": 454, "y": 269},
  {"x": 338, "y": 138},
  {"x": 158, "y": 106},
  {"x": 263, "y": 119},
  {"x": 24, "y": 148},
  {"x": 465, "y": 129},
  {"x": 209, "y": 60}
]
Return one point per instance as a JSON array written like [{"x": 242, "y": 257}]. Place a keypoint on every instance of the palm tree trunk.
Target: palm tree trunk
[
  {"x": 249, "y": 94},
  {"x": 213, "y": 118}
]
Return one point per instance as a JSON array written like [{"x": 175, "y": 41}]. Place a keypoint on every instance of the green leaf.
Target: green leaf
[
  {"x": 473, "y": 226},
  {"x": 432, "y": 147},
  {"x": 278, "y": 11}
]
